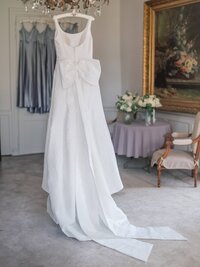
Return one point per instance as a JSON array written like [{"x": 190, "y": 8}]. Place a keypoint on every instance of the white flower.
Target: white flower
[
  {"x": 130, "y": 98},
  {"x": 137, "y": 98},
  {"x": 125, "y": 97},
  {"x": 141, "y": 103},
  {"x": 129, "y": 103},
  {"x": 150, "y": 100},
  {"x": 122, "y": 107}
]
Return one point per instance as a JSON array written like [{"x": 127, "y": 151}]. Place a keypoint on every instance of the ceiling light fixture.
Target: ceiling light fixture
[{"x": 65, "y": 5}]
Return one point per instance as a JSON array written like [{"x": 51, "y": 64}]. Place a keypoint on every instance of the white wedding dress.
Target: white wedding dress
[{"x": 80, "y": 169}]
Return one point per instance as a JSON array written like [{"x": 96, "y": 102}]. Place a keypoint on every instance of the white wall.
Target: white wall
[
  {"x": 5, "y": 95},
  {"x": 18, "y": 127},
  {"x": 131, "y": 44},
  {"x": 106, "y": 35}
]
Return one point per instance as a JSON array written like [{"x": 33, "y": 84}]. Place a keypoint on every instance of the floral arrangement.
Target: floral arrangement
[
  {"x": 128, "y": 102},
  {"x": 182, "y": 64},
  {"x": 182, "y": 61},
  {"x": 149, "y": 102}
]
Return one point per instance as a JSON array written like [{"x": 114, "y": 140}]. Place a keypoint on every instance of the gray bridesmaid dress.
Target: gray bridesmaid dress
[
  {"x": 37, "y": 59},
  {"x": 36, "y": 65}
]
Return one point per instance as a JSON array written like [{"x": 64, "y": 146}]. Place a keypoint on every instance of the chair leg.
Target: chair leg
[
  {"x": 158, "y": 176},
  {"x": 195, "y": 172}
]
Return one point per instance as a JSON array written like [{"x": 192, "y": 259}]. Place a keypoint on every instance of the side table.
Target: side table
[{"x": 137, "y": 140}]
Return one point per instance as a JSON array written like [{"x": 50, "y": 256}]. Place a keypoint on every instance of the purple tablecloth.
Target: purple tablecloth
[{"x": 138, "y": 140}]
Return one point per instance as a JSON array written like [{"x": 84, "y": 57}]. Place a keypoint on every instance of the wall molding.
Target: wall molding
[
  {"x": 5, "y": 132},
  {"x": 110, "y": 113}
]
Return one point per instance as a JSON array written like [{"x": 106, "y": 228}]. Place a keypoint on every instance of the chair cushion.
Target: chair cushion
[
  {"x": 180, "y": 134},
  {"x": 176, "y": 159},
  {"x": 182, "y": 141}
]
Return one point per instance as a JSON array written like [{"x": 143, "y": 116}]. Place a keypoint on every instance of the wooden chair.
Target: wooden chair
[{"x": 171, "y": 158}]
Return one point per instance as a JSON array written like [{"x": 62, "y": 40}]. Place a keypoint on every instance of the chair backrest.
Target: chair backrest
[{"x": 196, "y": 131}]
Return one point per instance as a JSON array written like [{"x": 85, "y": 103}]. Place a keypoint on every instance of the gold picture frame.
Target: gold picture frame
[{"x": 176, "y": 94}]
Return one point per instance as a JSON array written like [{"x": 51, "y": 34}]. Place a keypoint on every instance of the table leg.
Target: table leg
[{"x": 148, "y": 165}]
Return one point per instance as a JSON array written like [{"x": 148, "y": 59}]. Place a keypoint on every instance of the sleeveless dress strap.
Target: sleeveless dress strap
[
  {"x": 56, "y": 22},
  {"x": 88, "y": 24},
  {"x": 85, "y": 32}
]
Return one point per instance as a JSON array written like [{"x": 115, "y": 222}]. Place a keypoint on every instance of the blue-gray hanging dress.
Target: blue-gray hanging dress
[{"x": 36, "y": 66}]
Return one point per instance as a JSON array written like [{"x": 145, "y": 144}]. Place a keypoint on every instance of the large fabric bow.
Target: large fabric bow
[{"x": 87, "y": 70}]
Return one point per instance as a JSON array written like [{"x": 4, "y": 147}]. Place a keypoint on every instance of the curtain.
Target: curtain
[{"x": 37, "y": 58}]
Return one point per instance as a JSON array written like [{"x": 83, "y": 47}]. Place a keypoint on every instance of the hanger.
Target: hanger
[
  {"x": 35, "y": 20},
  {"x": 74, "y": 14}
]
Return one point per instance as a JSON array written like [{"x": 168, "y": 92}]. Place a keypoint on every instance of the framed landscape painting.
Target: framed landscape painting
[{"x": 172, "y": 53}]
